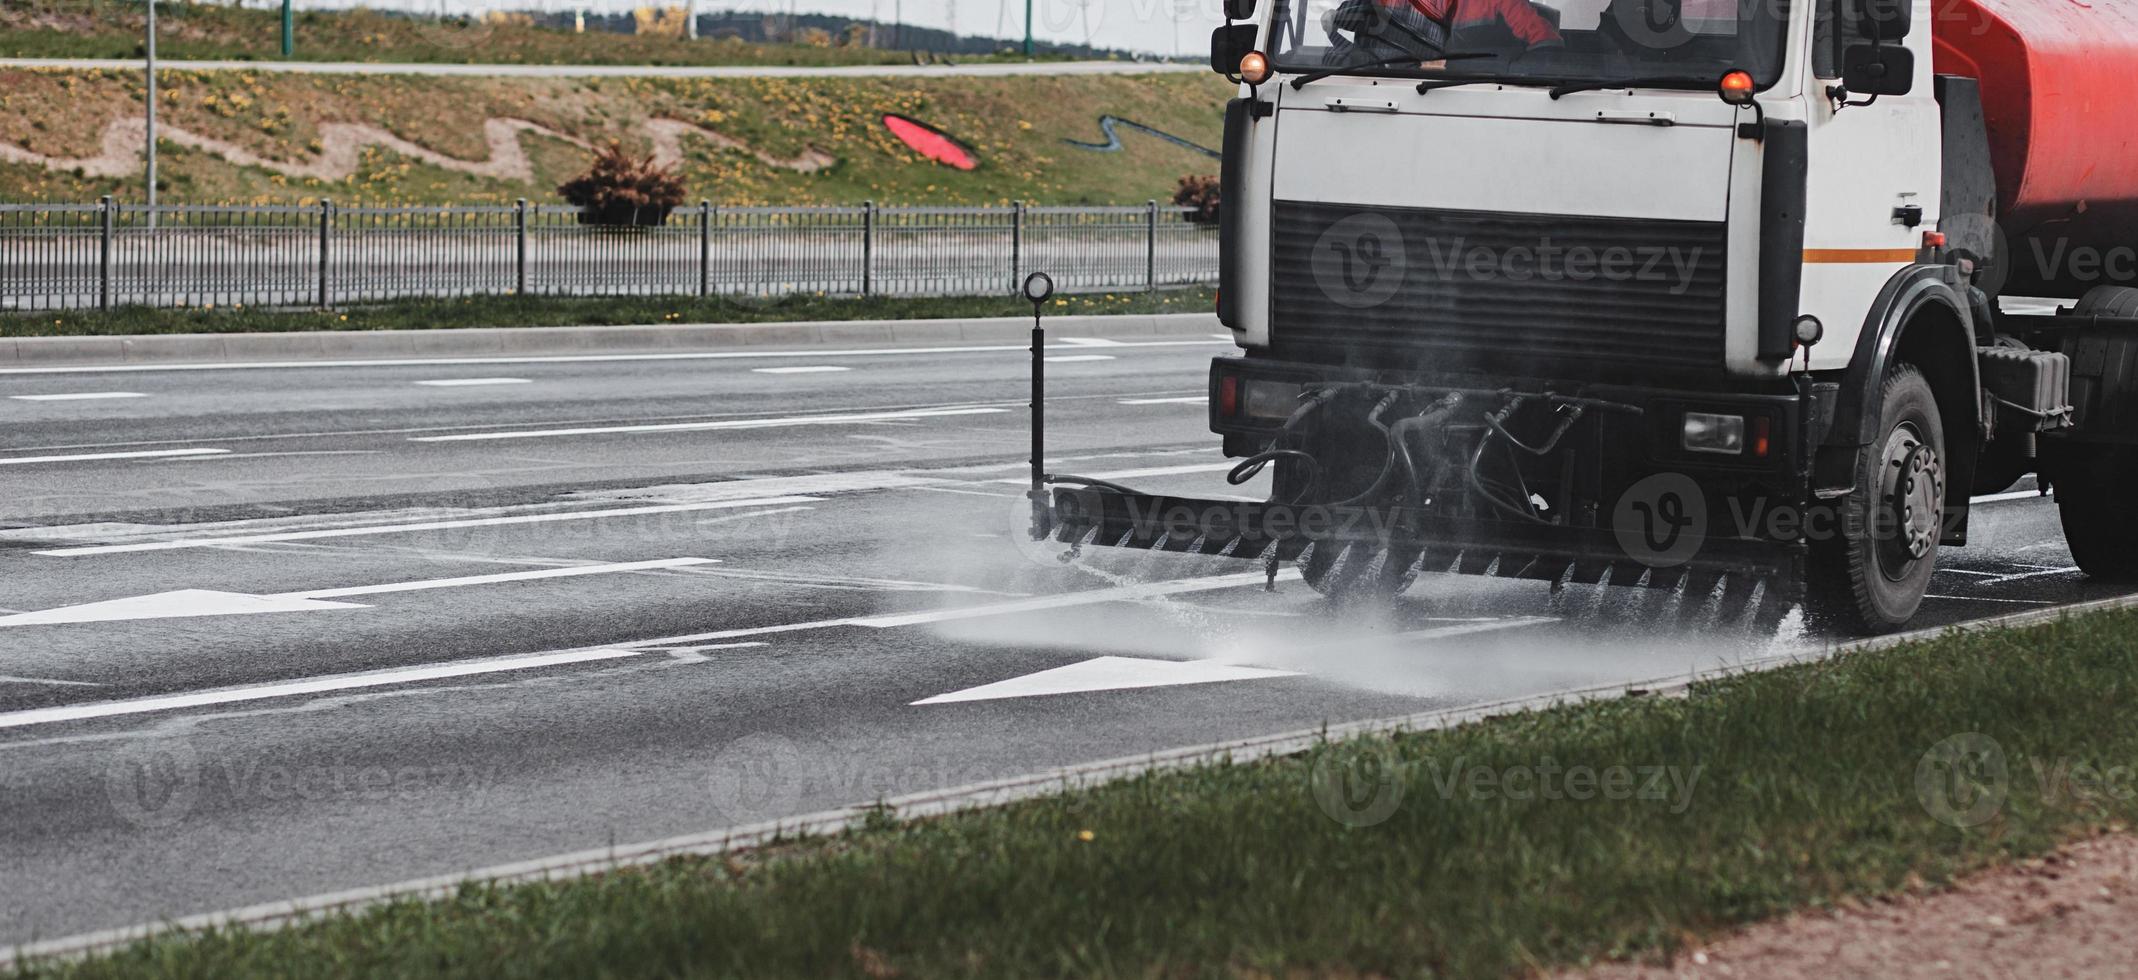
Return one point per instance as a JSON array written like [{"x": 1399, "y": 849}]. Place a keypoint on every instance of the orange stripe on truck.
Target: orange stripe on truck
[{"x": 1832, "y": 256}]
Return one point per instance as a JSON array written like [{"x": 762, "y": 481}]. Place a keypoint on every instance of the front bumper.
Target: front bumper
[
  {"x": 1603, "y": 527},
  {"x": 1469, "y": 546}
]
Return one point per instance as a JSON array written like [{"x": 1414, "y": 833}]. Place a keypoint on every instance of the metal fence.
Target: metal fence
[{"x": 108, "y": 254}]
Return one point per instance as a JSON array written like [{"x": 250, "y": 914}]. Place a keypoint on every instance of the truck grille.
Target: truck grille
[{"x": 1519, "y": 294}]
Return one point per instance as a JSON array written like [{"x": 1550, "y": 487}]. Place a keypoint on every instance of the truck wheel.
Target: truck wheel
[
  {"x": 1358, "y": 572},
  {"x": 1870, "y": 578},
  {"x": 2095, "y": 496}
]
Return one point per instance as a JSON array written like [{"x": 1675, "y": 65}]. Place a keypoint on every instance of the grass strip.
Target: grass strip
[
  {"x": 540, "y": 311},
  {"x": 1607, "y": 829}
]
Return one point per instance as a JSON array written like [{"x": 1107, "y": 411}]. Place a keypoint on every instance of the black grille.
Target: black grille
[{"x": 1517, "y": 294}]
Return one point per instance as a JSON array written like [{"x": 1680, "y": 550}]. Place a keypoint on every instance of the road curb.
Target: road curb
[
  {"x": 51, "y": 352},
  {"x": 934, "y": 803}
]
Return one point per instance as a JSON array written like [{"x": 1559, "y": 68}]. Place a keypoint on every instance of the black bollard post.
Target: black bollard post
[{"x": 1037, "y": 288}]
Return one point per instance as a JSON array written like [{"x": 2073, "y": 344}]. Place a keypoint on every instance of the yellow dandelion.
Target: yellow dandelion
[{"x": 1085, "y": 836}]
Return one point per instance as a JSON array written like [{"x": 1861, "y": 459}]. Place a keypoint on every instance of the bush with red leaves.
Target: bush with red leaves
[
  {"x": 621, "y": 189},
  {"x": 1198, "y": 191}
]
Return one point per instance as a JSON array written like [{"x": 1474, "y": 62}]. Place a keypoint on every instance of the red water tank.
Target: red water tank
[{"x": 2059, "y": 82}]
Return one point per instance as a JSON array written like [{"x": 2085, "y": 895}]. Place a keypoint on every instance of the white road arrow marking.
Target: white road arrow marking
[
  {"x": 1110, "y": 674},
  {"x": 194, "y": 603},
  {"x": 312, "y": 685}
]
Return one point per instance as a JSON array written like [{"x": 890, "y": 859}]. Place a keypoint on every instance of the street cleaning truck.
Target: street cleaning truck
[{"x": 1729, "y": 297}]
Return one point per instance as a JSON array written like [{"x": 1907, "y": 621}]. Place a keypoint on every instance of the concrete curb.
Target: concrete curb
[{"x": 49, "y": 352}]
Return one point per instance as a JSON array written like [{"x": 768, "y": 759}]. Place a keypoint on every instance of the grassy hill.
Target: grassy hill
[
  {"x": 266, "y": 137},
  {"x": 113, "y": 29}
]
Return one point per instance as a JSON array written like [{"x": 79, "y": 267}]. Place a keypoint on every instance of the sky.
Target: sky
[{"x": 1154, "y": 26}]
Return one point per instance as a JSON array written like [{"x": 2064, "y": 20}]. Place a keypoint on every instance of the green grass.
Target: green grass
[
  {"x": 111, "y": 29},
  {"x": 538, "y": 311},
  {"x": 1018, "y": 128},
  {"x": 1803, "y": 788}
]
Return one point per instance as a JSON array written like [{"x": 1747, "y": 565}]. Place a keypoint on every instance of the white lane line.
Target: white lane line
[
  {"x": 78, "y": 396},
  {"x": 1091, "y": 342},
  {"x": 1998, "y": 498},
  {"x": 314, "y": 685},
  {"x": 1468, "y": 629},
  {"x": 1981, "y": 598},
  {"x": 1109, "y": 674},
  {"x": 2001, "y": 579},
  {"x": 1148, "y": 471},
  {"x": 572, "y": 358},
  {"x": 302, "y": 452},
  {"x": 350, "y": 532},
  {"x": 802, "y": 369},
  {"x": 54, "y": 681},
  {"x": 1078, "y": 358},
  {"x": 1186, "y": 400},
  {"x": 85, "y": 457},
  {"x": 926, "y": 413},
  {"x": 197, "y": 603},
  {"x": 473, "y": 382},
  {"x": 569, "y": 571},
  {"x": 1115, "y": 594}
]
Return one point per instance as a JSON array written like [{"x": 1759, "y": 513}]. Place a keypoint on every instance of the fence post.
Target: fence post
[
  {"x": 1016, "y": 244},
  {"x": 705, "y": 248},
  {"x": 519, "y": 247},
  {"x": 1150, "y": 246},
  {"x": 868, "y": 247},
  {"x": 104, "y": 219},
  {"x": 326, "y": 224}
]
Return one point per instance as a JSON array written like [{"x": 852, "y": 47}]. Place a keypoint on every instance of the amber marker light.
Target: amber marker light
[{"x": 1737, "y": 87}]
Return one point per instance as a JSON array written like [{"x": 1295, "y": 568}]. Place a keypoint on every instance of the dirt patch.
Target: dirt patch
[{"x": 2071, "y": 914}]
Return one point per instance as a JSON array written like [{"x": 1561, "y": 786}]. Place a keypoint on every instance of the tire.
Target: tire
[
  {"x": 2094, "y": 483},
  {"x": 1358, "y": 572},
  {"x": 2095, "y": 497},
  {"x": 1870, "y": 577}
]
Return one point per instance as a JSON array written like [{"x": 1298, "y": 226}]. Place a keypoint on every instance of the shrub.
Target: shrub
[
  {"x": 621, "y": 189},
  {"x": 1198, "y": 191}
]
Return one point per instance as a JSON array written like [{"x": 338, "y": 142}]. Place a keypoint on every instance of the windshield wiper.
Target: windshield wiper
[
  {"x": 1321, "y": 73},
  {"x": 1433, "y": 83},
  {"x": 1592, "y": 85}
]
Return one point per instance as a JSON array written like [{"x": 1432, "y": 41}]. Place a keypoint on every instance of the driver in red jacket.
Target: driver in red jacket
[{"x": 1517, "y": 16}]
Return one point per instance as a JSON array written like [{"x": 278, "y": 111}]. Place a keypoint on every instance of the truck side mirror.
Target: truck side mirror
[
  {"x": 1228, "y": 45},
  {"x": 1888, "y": 21},
  {"x": 1239, "y": 9},
  {"x": 1877, "y": 69}
]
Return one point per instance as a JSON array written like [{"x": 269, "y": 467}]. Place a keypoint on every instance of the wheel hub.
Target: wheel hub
[{"x": 1914, "y": 492}]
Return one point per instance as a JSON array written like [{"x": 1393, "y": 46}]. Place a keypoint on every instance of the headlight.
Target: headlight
[
  {"x": 1271, "y": 399},
  {"x": 1706, "y": 433}
]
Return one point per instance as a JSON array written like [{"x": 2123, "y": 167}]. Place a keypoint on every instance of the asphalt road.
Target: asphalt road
[{"x": 395, "y": 621}]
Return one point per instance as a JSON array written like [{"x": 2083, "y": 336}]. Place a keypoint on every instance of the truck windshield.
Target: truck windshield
[{"x": 1643, "y": 42}]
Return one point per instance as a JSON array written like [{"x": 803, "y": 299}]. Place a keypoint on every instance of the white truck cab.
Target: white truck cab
[{"x": 1690, "y": 294}]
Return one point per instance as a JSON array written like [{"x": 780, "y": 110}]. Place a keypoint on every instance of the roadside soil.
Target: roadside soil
[{"x": 2070, "y": 914}]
